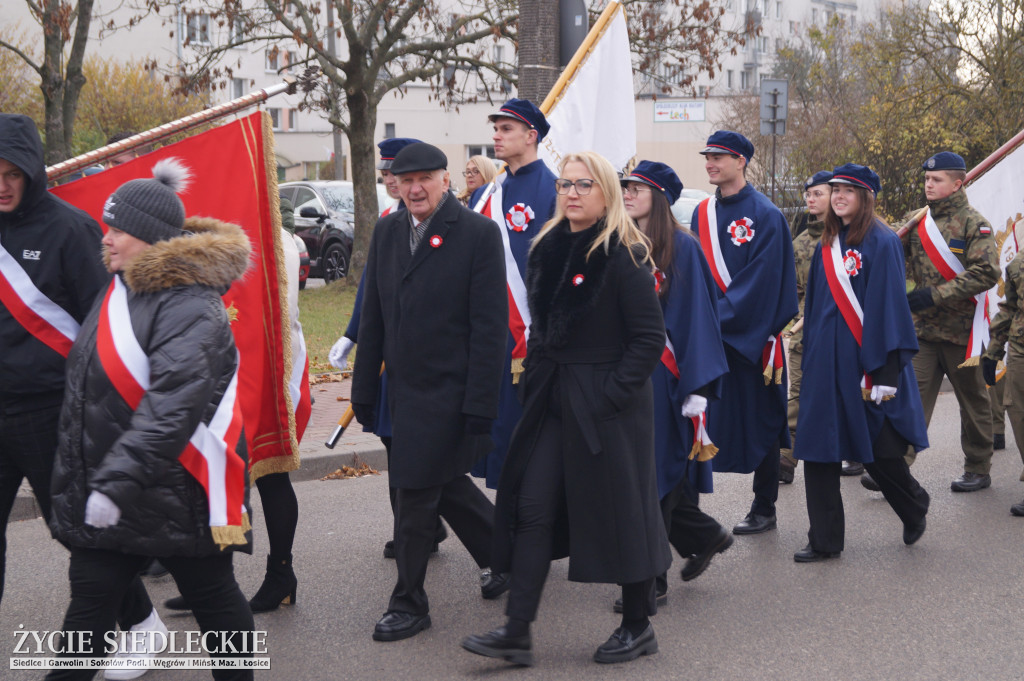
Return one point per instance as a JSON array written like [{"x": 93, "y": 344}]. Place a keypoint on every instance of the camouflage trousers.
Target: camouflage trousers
[
  {"x": 931, "y": 363},
  {"x": 1013, "y": 397},
  {"x": 995, "y": 395}
]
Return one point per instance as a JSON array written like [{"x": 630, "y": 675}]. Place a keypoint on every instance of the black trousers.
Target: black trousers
[
  {"x": 441, "y": 533},
  {"x": 540, "y": 501},
  {"x": 766, "y": 483},
  {"x": 99, "y": 580},
  {"x": 28, "y": 445},
  {"x": 890, "y": 470},
  {"x": 690, "y": 530},
  {"x": 469, "y": 513}
]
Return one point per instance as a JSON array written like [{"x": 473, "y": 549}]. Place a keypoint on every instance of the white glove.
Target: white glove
[
  {"x": 880, "y": 393},
  {"x": 100, "y": 511},
  {"x": 694, "y": 405},
  {"x": 338, "y": 356}
]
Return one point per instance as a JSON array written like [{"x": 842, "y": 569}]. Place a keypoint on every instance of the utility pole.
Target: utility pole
[
  {"x": 538, "y": 48},
  {"x": 335, "y": 95},
  {"x": 774, "y": 108}
]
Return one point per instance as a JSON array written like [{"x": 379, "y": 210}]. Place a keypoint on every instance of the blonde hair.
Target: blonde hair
[
  {"x": 487, "y": 173},
  {"x": 616, "y": 221}
]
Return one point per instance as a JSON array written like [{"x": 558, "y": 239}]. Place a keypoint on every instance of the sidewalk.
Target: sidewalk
[{"x": 331, "y": 401}]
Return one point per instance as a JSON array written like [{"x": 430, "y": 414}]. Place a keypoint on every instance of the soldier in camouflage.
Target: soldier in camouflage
[
  {"x": 1009, "y": 325},
  {"x": 806, "y": 229},
  {"x": 944, "y": 310}
]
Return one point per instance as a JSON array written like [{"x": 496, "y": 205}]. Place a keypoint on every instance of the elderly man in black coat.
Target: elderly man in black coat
[{"x": 435, "y": 312}]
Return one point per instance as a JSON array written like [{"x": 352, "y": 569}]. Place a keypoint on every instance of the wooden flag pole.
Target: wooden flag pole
[{"x": 581, "y": 55}]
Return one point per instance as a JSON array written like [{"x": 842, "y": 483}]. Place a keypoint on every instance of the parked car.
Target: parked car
[
  {"x": 324, "y": 221},
  {"x": 682, "y": 209},
  {"x": 303, "y": 260}
]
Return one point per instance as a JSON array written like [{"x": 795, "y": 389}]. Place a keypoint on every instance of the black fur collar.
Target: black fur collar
[{"x": 562, "y": 285}]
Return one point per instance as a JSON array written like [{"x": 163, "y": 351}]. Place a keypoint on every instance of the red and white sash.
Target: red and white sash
[
  {"x": 47, "y": 321},
  {"x": 846, "y": 300},
  {"x": 210, "y": 455},
  {"x": 707, "y": 222},
  {"x": 946, "y": 263},
  {"x": 298, "y": 388},
  {"x": 518, "y": 310},
  {"x": 703, "y": 448}
]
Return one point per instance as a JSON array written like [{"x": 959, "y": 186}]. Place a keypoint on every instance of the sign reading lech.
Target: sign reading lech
[{"x": 679, "y": 112}]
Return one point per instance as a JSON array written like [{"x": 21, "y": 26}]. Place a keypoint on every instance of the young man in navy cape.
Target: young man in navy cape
[{"x": 747, "y": 244}]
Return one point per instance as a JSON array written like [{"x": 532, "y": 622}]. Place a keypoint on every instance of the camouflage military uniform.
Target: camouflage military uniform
[
  {"x": 1008, "y": 325},
  {"x": 803, "y": 250},
  {"x": 943, "y": 331}
]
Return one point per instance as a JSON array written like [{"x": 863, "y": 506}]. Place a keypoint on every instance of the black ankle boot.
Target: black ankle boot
[{"x": 278, "y": 586}]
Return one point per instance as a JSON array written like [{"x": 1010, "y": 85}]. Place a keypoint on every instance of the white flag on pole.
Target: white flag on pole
[{"x": 595, "y": 111}]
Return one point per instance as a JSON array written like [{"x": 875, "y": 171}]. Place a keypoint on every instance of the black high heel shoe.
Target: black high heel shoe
[{"x": 278, "y": 586}]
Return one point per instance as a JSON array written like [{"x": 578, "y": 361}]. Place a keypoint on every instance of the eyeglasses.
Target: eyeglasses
[
  {"x": 470, "y": 173},
  {"x": 633, "y": 190},
  {"x": 583, "y": 187}
]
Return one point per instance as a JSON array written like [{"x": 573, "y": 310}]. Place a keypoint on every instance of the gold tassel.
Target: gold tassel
[
  {"x": 767, "y": 373},
  {"x": 704, "y": 452},
  {"x": 778, "y": 376},
  {"x": 517, "y": 369},
  {"x": 866, "y": 394},
  {"x": 231, "y": 535}
]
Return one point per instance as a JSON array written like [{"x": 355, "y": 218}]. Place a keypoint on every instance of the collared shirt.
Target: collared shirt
[{"x": 417, "y": 230}]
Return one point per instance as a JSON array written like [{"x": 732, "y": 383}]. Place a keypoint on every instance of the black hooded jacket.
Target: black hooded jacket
[{"x": 58, "y": 246}]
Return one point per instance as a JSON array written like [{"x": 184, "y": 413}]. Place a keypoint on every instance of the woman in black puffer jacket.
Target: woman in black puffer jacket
[{"x": 148, "y": 412}]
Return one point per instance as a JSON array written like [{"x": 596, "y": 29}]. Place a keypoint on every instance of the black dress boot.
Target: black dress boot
[{"x": 278, "y": 586}]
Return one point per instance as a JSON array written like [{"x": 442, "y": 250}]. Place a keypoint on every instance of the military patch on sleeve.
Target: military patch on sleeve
[
  {"x": 985, "y": 230},
  {"x": 957, "y": 246}
]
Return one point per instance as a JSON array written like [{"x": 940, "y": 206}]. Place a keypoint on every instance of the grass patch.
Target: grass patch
[{"x": 325, "y": 313}]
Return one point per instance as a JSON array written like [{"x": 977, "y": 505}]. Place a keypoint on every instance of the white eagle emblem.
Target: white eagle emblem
[
  {"x": 852, "y": 262},
  {"x": 518, "y": 217},
  {"x": 741, "y": 231}
]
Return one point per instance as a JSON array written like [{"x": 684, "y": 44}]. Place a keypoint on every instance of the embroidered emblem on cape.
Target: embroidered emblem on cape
[
  {"x": 518, "y": 217},
  {"x": 577, "y": 280},
  {"x": 436, "y": 241},
  {"x": 741, "y": 231},
  {"x": 853, "y": 261}
]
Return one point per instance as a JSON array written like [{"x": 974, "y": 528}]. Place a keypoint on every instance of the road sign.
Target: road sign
[{"x": 774, "y": 106}]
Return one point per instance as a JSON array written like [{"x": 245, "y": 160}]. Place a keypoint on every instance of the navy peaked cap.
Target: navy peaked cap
[
  {"x": 945, "y": 160},
  {"x": 820, "y": 177},
  {"x": 858, "y": 176},
  {"x": 390, "y": 148},
  {"x": 419, "y": 156},
  {"x": 657, "y": 175},
  {"x": 729, "y": 142},
  {"x": 524, "y": 111}
]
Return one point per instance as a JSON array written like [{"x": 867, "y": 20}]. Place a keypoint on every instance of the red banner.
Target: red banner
[{"x": 232, "y": 181}]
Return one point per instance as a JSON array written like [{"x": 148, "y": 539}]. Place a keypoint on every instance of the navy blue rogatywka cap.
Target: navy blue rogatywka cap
[
  {"x": 729, "y": 142},
  {"x": 524, "y": 111},
  {"x": 858, "y": 176},
  {"x": 657, "y": 175},
  {"x": 389, "y": 149}
]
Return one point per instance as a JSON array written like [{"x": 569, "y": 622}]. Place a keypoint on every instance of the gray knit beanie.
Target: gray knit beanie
[{"x": 150, "y": 209}]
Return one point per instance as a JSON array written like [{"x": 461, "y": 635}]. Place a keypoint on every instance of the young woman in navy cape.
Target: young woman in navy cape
[
  {"x": 579, "y": 480},
  {"x": 689, "y": 374},
  {"x": 859, "y": 400}
]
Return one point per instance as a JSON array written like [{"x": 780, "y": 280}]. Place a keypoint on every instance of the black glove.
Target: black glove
[
  {"x": 366, "y": 414},
  {"x": 478, "y": 425},
  {"x": 988, "y": 370},
  {"x": 920, "y": 299}
]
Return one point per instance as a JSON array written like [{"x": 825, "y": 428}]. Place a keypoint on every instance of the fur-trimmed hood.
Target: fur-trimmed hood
[{"x": 211, "y": 253}]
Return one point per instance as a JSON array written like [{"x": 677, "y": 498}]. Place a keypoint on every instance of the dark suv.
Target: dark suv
[{"x": 323, "y": 219}]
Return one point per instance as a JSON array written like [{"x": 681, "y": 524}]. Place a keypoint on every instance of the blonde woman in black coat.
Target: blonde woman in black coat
[{"x": 579, "y": 480}]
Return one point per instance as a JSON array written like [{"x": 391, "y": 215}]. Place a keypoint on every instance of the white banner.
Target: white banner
[
  {"x": 596, "y": 111},
  {"x": 997, "y": 196}
]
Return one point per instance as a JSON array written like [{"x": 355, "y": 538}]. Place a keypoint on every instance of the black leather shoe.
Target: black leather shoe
[
  {"x": 809, "y": 555},
  {"x": 754, "y": 524},
  {"x": 623, "y": 647},
  {"x": 497, "y": 643},
  {"x": 662, "y": 600},
  {"x": 697, "y": 564},
  {"x": 493, "y": 584},
  {"x": 1017, "y": 510},
  {"x": 852, "y": 468},
  {"x": 971, "y": 482},
  {"x": 395, "y": 626},
  {"x": 911, "y": 533},
  {"x": 176, "y": 603},
  {"x": 998, "y": 441},
  {"x": 869, "y": 483},
  {"x": 787, "y": 470}
]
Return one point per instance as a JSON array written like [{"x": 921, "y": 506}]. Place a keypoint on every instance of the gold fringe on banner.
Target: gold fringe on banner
[
  {"x": 517, "y": 369},
  {"x": 231, "y": 535}
]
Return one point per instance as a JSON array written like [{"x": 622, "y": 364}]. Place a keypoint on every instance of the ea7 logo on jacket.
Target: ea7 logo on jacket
[
  {"x": 741, "y": 231},
  {"x": 30, "y": 255}
]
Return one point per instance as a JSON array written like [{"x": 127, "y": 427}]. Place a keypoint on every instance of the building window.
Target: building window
[
  {"x": 237, "y": 87},
  {"x": 499, "y": 54},
  {"x": 275, "y": 118},
  {"x": 728, "y": 78},
  {"x": 778, "y": 10},
  {"x": 853, "y": 21},
  {"x": 389, "y": 131},
  {"x": 293, "y": 119},
  {"x": 290, "y": 59},
  {"x": 744, "y": 80},
  {"x": 237, "y": 31},
  {"x": 271, "y": 59},
  {"x": 814, "y": 16},
  {"x": 793, "y": 30},
  {"x": 764, "y": 43},
  {"x": 199, "y": 29},
  {"x": 485, "y": 150},
  {"x": 827, "y": 15},
  {"x": 778, "y": 44}
]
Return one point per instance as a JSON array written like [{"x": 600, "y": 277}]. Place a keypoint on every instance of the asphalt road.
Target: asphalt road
[{"x": 945, "y": 608}]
